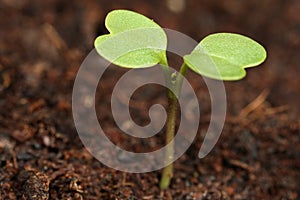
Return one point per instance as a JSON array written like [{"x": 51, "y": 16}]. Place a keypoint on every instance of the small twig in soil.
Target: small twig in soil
[
  {"x": 254, "y": 104},
  {"x": 124, "y": 183},
  {"x": 6, "y": 80},
  {"x": 54, "y": 37},
  {"x": 279, "y": 109},
  {"x": 241, "y": 165},
  {"x": 148, "y": 197}
]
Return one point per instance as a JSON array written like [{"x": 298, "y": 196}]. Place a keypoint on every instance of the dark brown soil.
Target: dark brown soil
[{"x": 42, "y": 44}]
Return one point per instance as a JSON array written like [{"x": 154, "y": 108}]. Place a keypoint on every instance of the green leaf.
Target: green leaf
[
  {"x": 135, "y": 41},
  {"x": 224, "y": 56}
]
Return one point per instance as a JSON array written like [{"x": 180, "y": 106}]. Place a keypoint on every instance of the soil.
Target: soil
[{"x": 42, "y": 44}]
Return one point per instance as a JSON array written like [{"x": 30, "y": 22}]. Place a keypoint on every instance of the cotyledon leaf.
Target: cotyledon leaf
[
  {"x": 135, "y": 41},
  {"x": 224, "y": 56}
]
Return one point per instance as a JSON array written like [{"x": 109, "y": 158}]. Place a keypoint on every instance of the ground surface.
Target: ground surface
[{"x": 42, "y": 44}]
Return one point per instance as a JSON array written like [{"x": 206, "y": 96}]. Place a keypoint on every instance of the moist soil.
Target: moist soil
[{"x": 43, "y": 43}]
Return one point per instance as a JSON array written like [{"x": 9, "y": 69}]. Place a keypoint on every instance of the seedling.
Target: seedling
[{"x": 135, "y": 41}]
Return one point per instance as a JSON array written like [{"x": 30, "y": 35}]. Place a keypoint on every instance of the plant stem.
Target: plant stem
[
  {"x": 179, "y": 80},
  {"x": 167, "y": 173}
]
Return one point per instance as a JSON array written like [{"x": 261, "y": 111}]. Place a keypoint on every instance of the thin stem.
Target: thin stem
[
  {"x": 165, "y": 68},
  {"x": 167, "y": 173},
  {"x": 179, "y": 80}
]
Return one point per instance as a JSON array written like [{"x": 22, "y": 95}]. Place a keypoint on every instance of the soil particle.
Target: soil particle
[{"x": 34, "y": 185}]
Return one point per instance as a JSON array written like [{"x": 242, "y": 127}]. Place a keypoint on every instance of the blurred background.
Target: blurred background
[
  {"x": 44, "y": 32},
  {"x": 42, "y": 44}
]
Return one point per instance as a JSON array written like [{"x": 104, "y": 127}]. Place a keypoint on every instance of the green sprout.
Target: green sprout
[{"x": 136, "y": 41}]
